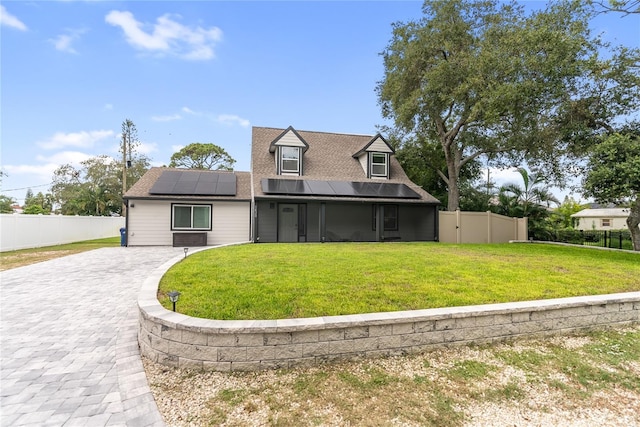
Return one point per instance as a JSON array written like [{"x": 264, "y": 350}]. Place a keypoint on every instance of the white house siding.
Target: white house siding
[
  {"x": 592, "y": 223},
  {"x": 379, "y": 146},
  {"x": 291, "y": 140},
  {"x": 363, "y": 162},
  {"x": 150, "y": 223},
  {"x": 231, "y": 223}
]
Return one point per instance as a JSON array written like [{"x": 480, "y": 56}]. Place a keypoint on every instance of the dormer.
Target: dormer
[
  {"x": 375, "y": 158},
  {"x": 289, "y": 148}
]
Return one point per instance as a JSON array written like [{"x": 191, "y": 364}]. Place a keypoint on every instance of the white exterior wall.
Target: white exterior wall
[
  {"x": 150, "y": 223},
  {"x": 593, "y": 223}
]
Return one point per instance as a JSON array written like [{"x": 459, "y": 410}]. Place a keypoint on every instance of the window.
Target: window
[
  {"x": 379, "y": 164},
  {"x": 191, "y": 217},
  {"x": 290, "y": 160},
  {"x": 605, "y": 222},
  {"x": 390, "y": 217}
]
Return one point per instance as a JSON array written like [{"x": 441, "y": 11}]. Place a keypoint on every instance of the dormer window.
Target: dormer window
[
  {"x": 290, "y": 160},
  {"x": 375, "y": 158},
  {"x": 379, "y": 165},
  {"x": 289, "y": 149}
]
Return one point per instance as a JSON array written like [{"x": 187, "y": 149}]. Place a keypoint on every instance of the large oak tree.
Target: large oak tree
[
  {"x": 202, "y": 156},
  {"x": 614, "y": 176},
  {"x": 476, "y": 78}
]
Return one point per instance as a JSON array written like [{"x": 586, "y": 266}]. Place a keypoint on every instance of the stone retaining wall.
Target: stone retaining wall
[{"x": 177, "y": 340}]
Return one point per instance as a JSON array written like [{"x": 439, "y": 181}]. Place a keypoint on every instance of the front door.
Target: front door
[{"x": 287, "y": 222}]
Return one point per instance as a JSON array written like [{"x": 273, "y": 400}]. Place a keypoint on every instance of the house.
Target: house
[
  {"x": 182, "y": 207},
  {"x": 601, "y": 219},
  {"x": 328, "y": 187},
  {"x": 303, "y": 187}
]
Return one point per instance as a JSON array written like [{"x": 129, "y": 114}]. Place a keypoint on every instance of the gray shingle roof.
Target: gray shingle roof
[
  {"x": 140, "y": 190},
  {"x": 329, "y": 158}
]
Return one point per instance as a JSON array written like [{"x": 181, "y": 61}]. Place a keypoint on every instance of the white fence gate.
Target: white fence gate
[{"x": 33, "y": 231}]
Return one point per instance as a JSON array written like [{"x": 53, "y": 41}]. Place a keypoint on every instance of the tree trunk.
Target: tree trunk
[
  {"x": 632, "y": 222},
  {"x": 453, "y": 203}
]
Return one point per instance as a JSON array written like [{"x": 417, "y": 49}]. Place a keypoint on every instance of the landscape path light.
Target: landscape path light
[
  {"x": 185, "y": 252},
  {"x": 174, "y": 296}
]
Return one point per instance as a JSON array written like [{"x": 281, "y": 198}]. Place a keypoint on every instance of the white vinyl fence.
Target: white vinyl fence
[{"x": 33, "y": 231}]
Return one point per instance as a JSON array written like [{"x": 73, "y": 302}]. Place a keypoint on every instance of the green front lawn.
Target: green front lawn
[{"x": 277, "y": 281}]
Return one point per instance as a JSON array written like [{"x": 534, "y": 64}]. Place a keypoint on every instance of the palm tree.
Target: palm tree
[
  {"x": 534, "y": 195},
  {"x": 531, "y": 200}
]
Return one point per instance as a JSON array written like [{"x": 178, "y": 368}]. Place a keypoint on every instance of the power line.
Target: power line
[{"x": 26, "y": 188}]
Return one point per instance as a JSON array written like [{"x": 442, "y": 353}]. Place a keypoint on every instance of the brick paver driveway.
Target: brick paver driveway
[{"x": 68, "y": 340}]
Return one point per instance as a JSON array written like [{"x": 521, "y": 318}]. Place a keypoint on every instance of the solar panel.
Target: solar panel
[
  {"x": 226, "y": 188},
  {"x": 319, "y": 187},
  {"x": 195, "y": 183},
  {"x": 342, "y": 187},
  {"x": 299, "y": 187}
]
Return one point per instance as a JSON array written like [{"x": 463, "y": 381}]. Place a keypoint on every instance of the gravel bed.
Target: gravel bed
[{"x": 352, "y": 393}]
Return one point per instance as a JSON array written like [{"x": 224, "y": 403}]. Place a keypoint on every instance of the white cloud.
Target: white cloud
[
  {"x": 167, "y": 36},
  {"x": 140, "y": 147},
  {"x": 63, "y": 41},
  {"x": 64, "y": 157},
  {"x": 504, "y": 176},
  {"x": 147, "y": 147},
  {"x": 166, "y": 118},
  {"x": 230, "y": 119},
  {"x": 190, "y": 111},
  {"x": 43, "y": 172},
  {"x": 82, "y": 139},
  {"x": 8, "y": 20},
  {"x": 176, "y": 148}
]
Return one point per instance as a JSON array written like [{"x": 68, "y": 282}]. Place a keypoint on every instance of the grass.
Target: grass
[
  {"x": 274, "y": 281},
  {"x": 548, "y": 382},
  {"x": 20, "y": 258},
  {"x": 603, "y": 362}
]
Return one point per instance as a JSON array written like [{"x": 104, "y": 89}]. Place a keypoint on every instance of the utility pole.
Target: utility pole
[
  {"x": 124, "y": 172},
  {"x": 129, "y": 142}
]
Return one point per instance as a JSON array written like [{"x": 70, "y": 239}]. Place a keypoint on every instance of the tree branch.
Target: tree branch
[
  {"x": 432, "y": 166},
  {"x": 474, "y": 156}
]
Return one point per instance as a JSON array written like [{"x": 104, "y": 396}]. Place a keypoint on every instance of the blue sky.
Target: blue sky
[{"x": 191, "y": 71}]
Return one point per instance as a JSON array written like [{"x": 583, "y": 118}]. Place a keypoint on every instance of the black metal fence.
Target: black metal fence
[{"x": 605, "y": 239}]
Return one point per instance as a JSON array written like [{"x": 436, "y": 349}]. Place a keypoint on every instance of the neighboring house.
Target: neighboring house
[
  {"x": 303, "y": 187},
  {"x": 183, "y": 207},
  {"x": 601, "y": 219},
  {"x": 328, "y": 187}
]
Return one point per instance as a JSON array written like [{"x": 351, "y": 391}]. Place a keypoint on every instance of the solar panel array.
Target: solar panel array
[
  {"x": 298, "y": 187},
  {"x": 195, "y": 183}
]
